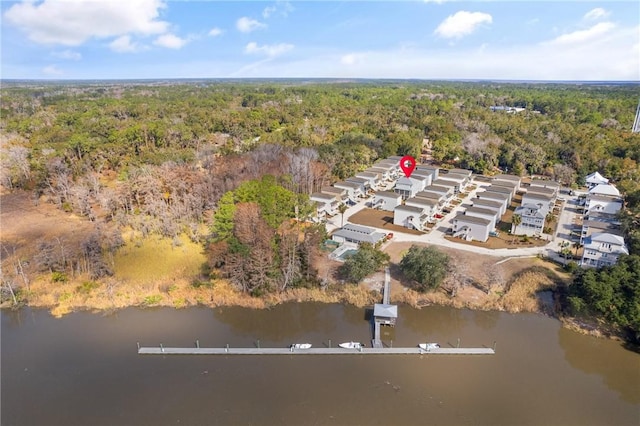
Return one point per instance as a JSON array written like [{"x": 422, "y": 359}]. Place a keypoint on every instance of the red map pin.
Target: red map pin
[{"x": 407, "y": 164}]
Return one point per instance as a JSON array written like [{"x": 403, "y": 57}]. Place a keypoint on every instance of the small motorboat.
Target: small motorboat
[
  {"x": 429, "y": 346},
  {"x": 300, "y": 346},
  {"x": 351, "y": 345}
]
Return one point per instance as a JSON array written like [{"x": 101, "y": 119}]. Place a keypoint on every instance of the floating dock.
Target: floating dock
[{"x": 312, "y": 351}]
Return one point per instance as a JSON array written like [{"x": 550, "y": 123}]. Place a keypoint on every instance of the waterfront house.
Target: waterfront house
[
  {"x": 603, "y": 249},
  {"x": 590, "y": 227}
]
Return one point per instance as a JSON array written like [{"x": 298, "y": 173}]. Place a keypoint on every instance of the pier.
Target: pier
[
  {"x": 159, "y": 350},
  {"x": 383, "y": 314}
]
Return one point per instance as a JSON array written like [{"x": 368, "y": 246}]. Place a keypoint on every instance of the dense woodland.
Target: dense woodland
[{"x": 231, "y": 163}]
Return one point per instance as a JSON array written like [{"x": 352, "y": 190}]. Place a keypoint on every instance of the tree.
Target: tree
[
  {"x": 425, "y": 265},
  {"x": 342, "y": 208},
  {"x": 365, "y": 261},
  {"x": 516, "y": 220}
]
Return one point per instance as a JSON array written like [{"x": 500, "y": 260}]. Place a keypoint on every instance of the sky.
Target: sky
[{"x": 433, "y": 39}]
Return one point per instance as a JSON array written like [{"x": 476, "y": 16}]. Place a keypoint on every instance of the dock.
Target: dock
[
  {"x": 384, "y": 314},
  {"x": 312, "y": 351}
]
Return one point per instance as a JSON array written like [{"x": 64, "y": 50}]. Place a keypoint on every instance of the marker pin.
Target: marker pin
[{"x": 407, "y": 164}]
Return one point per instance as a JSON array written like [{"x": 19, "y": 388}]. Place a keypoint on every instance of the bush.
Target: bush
[
  {"x": 87, "y": 287},
  {"x": 59, "y": 277},
  {"x": 152, "y": 300},
  {"x": 571, "y": 267},
  {"x": 365, "y": 261}
]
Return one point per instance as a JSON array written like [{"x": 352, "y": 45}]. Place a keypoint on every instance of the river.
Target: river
[{"x": 83, "y": 369}]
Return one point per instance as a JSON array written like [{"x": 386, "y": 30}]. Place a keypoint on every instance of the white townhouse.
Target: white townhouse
[
  {"x": 459, "y": 182},
  {"x": 339, "y": 193},
  {"x": 508, "y": 178},
  {"x": 364, "y": 183},
  {"x": 374, "y": 179},
  {"x": 498, "y": 197},
  {"x": 326, "y": 204},
  {"x": 408, "y": 187},
  {"x": 541, "y": 183},
  {"x": 444, "y": 191},
  {"x": 531, "y": 220},
  {"x": 502, "y": 190},
  {"x": 390, "y": 170},
  {"x": 490, "y": 215},
  {"x": 544, "y": 202},
  {"x": 590, "y": 227},
  {"x": 429, "y": 206},
  {"x": 471, "y": 227},
  {"x": 441, "y": 199},
  {"x": 410, "y": 217},
  {"x": 603, "y": 249},
  {"x": 513, "y": 186},
  {"x": 430, "y": 170},
  {"x": 595, "y": 179},
  {"x": 357, "y": 234},
  {"x": 393, "y": 166},
  {"x": 386, "y": 200},
  {"x": 383, "y": 172},
  {"x": 549, "y": 192},
  {"x": 602, "y": 205},
  {"x": 452, "y": 185},
  {"x": 354, "y": 191},
  {"x": 424, "y": 178},
  {"x": 496, "y": 206}
]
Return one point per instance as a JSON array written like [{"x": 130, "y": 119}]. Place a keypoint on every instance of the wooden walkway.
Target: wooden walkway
[
  {"x": 376, "y": 342},
  {"x": 312, "y": 351}
]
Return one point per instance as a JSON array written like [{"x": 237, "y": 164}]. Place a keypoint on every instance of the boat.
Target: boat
[
  {"x": 300, "y": 346},
  {"x": 351, "y": 345},
  {"x": 429, "y": 346}
]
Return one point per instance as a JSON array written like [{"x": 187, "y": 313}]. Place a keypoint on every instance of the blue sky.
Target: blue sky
[{"x": 435, "y": 39}]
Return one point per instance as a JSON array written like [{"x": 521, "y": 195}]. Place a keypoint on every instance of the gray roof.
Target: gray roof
[
  {"x": 444, "y": 183},
  {"x": 378, "y": 170},
  {"x": 461, "y": 217},
  {"x": 428, "y": 202},
  {"x": 545, "y": 183},
  {"x": 480, "y": 210},
  {"x": 512, "y": 178},
  {"x": 508, "y": 183},
  {"x": 493, "y": 195},
  {"x": 361, "y": 234},
  {"x": 536, "y": 196},
  {"x": 439, "y": 189},
  {"x": 463, "y": 172},
  {"x": 333, "y": 190},
  {"x": 322, "y": 196},
  {"x": 388, "y": 194},
  {"x": 358, "y": 180},
  {"x": 383, "y": 310},
  {"x": 501, "y": 189},
  {"x": 541, "y": 190},
  {"x": 368, "y": 175},
  {"x": 485, "y": 202},
  {"x": 409, "y": 209},
  {"x": 345, "y": 184},
  {"x": 359, "y": 228},
  {"x": 452, "y": 177},
  {"x": 430, "y": 195}
]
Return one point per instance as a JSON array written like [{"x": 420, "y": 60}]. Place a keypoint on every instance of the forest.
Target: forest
[{"x": 231, "y": 163}]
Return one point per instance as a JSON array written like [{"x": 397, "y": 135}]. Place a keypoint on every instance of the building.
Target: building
[
  {"x": 387, "y": 200},
  {"x": 509, "y": 178},
  {"x": 339, "y": 193},
  {"x": 429, "y": 206},
  {"x": 604, "y": 189},
  {"x": 499, "y": 197},
  {"x": 354, "y": 190},
  {"x": 326, "y": 204},
  {"x": 547, "y": 191},
  {"x": 385, "y": 314},
  {"x": 491, "y": 215},
  {"x": 365, "y": 186},
  {"x": 602, "y": 205},
  {"x": 502, "y": 190},
  {"x": 544, "y": 202},
  {"x": 390, "y": 170},
  {"x": 531, "y": 220},
  {"x": 383, "y": 172},
  {"x": 513, "y": 186},
  {"x": 357, "y": 234},
  {"x": 374, "y": 179},
  {"x": 603, "y": 249},
  {"x": 408, "y": 187},
  {"x": 471, "y": 228},
  {"x": 459, "y": 182},
  {"x": 595, "y": 179},
  {"x": 425, "y": 178},
  {"x": 541, "y": 183},
  {"x": 431, "y": 170},
  {"x": 590, "y": 227},
  {"x": 410, "y": 217},
  {"x": 489, "y": 205}
]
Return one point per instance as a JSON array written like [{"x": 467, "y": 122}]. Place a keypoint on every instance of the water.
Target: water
[{"x": 83, "y": 370}]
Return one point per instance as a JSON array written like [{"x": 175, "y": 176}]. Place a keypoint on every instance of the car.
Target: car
[{"x": 389, "y": 236}]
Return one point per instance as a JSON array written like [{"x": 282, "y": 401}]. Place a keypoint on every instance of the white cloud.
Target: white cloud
[
  {"x": 247, "y": 25},
  {"x": 595, "y": 14},
  {"x": 436, "y": 1},
  {"x": 67, "y": 54},
  {"x": 123, "y": 44},
  {"x": 270, "y": 50},
  {"x": 170, "y": 41},
  {"x": 349, "y": 59},
  {"x": 283, "y": 7},
  {"x": 580, "y": 36},
  {"x": 214, "y": 32},
  {"x": 73, "y": 22},
  {"x": 462, "y": 23},
  {"x": 52, "y": 70}
]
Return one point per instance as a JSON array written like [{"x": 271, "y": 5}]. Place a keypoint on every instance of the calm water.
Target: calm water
[{"x": 83, "y": 370}]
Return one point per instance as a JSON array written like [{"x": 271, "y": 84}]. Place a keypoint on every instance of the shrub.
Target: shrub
[
  {"x": 152, "y": 300},
  {"x": 87, "y": 287},
  {"x": 59, "y": 277}
]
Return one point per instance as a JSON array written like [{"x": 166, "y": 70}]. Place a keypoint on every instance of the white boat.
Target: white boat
[
  {"x": 429, "y": 346},
  {"x": 300, "y": 346},
  {"x": 351, "y": 345}
]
